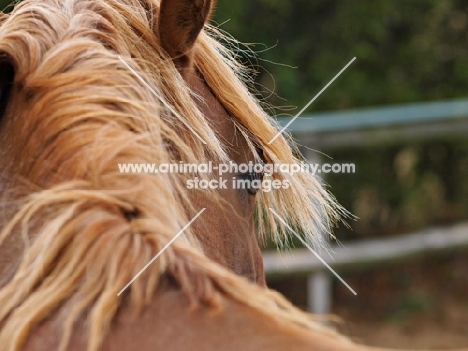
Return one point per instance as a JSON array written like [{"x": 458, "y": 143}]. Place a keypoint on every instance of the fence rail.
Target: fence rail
[
  {"x": 380, "y": 125},
  {"x": 355, "y": 255},
  {"x": 368, "y": 127},
  {"x": 368, "y": 252}
]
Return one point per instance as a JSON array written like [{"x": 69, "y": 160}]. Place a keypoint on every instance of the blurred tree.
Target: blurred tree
[{"x": 406, "y": 50}]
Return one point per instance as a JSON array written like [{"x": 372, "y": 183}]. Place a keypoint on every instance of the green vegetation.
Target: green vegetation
[
  {"x": 404, "y": 187},
  {"x": 406, "y": 50}
]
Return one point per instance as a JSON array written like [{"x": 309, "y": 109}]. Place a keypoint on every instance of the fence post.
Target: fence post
[
  {"x": 319, "y": 297},
  {"x": 319, "y": 284}
]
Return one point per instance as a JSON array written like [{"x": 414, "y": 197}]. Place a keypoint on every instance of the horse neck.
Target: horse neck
[{"x": 170, "y": 324}]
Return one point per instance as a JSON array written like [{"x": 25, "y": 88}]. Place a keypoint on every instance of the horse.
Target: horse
[{"x": 86, "y": 86}]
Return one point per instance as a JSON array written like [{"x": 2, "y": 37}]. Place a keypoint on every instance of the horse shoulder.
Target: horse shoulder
[{"x": 170, "y": 324}]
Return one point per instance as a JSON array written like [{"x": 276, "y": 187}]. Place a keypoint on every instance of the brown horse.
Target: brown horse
[{"x": 88, "y": 85}]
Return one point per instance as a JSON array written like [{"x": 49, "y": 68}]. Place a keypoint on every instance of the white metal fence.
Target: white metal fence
[{"x": 360, "y": 128}]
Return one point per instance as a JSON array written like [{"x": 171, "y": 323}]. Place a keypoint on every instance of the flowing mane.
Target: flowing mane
[{"x": 87, "y": 228}]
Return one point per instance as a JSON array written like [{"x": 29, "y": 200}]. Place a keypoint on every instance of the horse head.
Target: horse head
[{"x": 86, "y": 86}]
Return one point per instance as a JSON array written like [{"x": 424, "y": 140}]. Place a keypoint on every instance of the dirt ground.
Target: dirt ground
[
  {"x": 420, "y": 331},
  {"x": 421, "y": 303}
]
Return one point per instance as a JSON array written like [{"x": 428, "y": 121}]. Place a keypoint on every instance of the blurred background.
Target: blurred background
[{"x": 400, "y": 114}]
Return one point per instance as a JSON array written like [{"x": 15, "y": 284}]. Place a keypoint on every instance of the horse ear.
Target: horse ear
[
  {"x": 180, "y": 23},
  {"x": 7, "y": 72}
]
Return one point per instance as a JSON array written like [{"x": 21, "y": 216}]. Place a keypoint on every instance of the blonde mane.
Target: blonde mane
[{"x": 87, "y": 228}]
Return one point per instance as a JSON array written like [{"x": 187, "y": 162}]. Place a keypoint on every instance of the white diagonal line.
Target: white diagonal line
[
  {"x": 160, "y": 98},
  {"x": 160, "y": 252},
  {"x": 311, "y": 101},
  {"x": 313, "y": 251}
]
